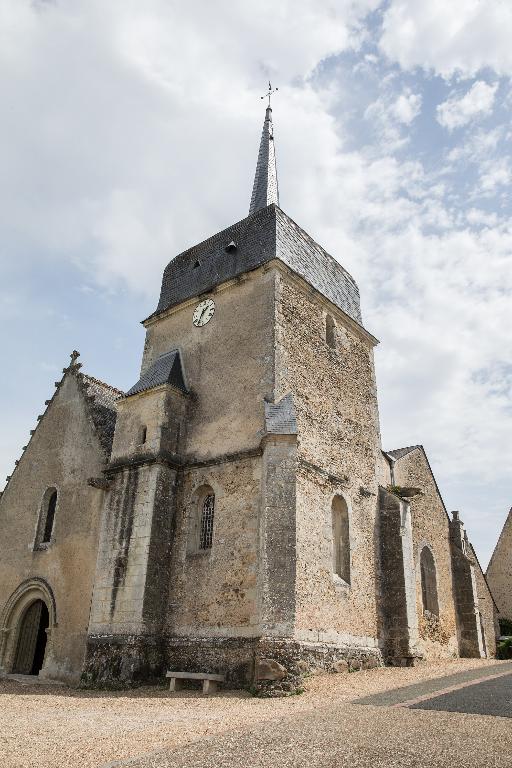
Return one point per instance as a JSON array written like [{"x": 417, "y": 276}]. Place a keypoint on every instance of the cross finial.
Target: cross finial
[{"x": 269, "y": 92}]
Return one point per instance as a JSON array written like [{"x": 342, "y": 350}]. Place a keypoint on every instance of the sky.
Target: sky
[{"x": 129, "y": 131}]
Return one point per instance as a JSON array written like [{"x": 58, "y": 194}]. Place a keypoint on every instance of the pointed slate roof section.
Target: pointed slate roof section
[
  {"x": 166, "y": 369},
  {"x": 265, "y": 188},
  {"x": 268, "y": 234},
  {"x": 280, "y": 417},
  {"x": 399, "y": 452}
]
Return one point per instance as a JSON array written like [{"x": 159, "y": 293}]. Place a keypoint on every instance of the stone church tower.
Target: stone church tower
[
  {"x": 254, "y": 414},
  {"x": 239, "y": 510}
]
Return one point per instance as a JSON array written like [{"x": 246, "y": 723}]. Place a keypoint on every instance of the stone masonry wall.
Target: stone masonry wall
[
  {"x": 430, "y": 526},
  {"x": 499, "y": 570},
  {"x": 338, "y": 444},
  {"x": 214, "y": 592},
  {"x": 63, "y": 453},
  {"x": 228, "y": 364},
  {"x": 133, "y": 558},
  {"x": 204, "y": 594},
  {"x": 161, "y": 413},
  {"x": 488, "y": 609},
  {"x": 397, "y": 597},
  {"x": 278, "y": 536},
  {"x": 469, "y": 627}
]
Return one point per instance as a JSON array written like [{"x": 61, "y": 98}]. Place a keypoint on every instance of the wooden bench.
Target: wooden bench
[{"x": 210, "y": 682}]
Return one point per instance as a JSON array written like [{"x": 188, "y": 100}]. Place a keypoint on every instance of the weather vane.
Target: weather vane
[{"x": 270, "y": 92}]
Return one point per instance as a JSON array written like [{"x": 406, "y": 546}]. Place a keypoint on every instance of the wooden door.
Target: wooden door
[{"x": 27, "y": 640}]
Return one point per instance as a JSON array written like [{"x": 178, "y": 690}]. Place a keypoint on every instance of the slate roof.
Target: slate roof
[
  {"x": 267, "y": 234},
  {"x": 101, "y": 400},
  {"x": 166, "y": 369},
  {"x": 399, "y": 452},
  {"x": 280, "y": 417},
  {"x": 265, "y": 188}
]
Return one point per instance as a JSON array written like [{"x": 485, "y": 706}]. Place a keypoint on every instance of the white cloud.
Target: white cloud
[
  {"x": 122, "y": 111},
  {"x": 391, "y": 113},
  {"x": 497, "y": 175},
  {"x": 476, "y": 216},
  {"x": 459, "y": 37},
  {"x": 478, "y": 147},
  {"x": 407, "y": 107},
  {"x": 458, "y": 110}
]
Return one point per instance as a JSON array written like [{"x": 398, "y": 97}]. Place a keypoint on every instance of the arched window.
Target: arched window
[
  {"x": 330, "y": 331},
  {"x": 206, "y": 523},
  {"x": 428, "y": 582},
  {"x": 46, "y": 519},
  {"x": 340, "y": 539}
]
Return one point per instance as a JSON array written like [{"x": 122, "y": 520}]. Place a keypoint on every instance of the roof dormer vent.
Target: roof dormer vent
[{"x": 230, "y": 247}]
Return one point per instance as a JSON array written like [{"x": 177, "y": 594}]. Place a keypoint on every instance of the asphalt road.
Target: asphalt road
[{"x": 490, "y": 697}]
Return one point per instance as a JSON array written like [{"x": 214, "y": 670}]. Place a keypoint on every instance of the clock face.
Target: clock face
[{"x": 203, "y": 312}]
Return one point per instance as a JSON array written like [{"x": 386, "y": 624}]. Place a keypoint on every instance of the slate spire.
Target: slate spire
[{"x": 265, "y": 190}]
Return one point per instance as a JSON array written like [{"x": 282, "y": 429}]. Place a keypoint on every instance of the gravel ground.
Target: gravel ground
[{"x": 47, "y": 726}]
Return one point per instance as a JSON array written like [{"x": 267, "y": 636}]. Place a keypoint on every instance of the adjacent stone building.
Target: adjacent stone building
[
  {"x": 49, "y": 527},
  {"x": 499, "y": 571},
  {"x": 233, "y": 510}
]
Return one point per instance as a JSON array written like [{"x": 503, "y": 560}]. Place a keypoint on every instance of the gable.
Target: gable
[
  {"x": 411, "y": 469},
  {"x": 81, "y": 406}
]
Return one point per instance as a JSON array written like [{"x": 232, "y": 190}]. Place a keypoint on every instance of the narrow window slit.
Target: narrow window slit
[
  {"x": 50, "y": 517},
  {"x": 340, "y": 539},
  {"x": 330, "y": 331}
]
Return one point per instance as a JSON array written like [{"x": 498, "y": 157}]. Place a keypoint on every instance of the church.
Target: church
[{"x": 233, "y": 511}]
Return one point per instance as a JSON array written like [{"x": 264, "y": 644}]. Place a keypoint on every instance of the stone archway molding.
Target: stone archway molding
[{"x": 14, "y": 609}]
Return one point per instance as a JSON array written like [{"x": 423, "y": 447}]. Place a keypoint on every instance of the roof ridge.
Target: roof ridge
[
  {"x": 403, "y": 451},
  {"x": 102, "y": 383}
]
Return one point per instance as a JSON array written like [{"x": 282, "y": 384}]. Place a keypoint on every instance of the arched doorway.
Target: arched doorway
[{"x": 32, "y": 638}]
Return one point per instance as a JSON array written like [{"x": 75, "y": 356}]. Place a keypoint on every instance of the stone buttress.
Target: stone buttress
[
  {"x": 469, "y": 624},
  {"x": 397, "y": 582},
  {"x": 132, "y": 571}
]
